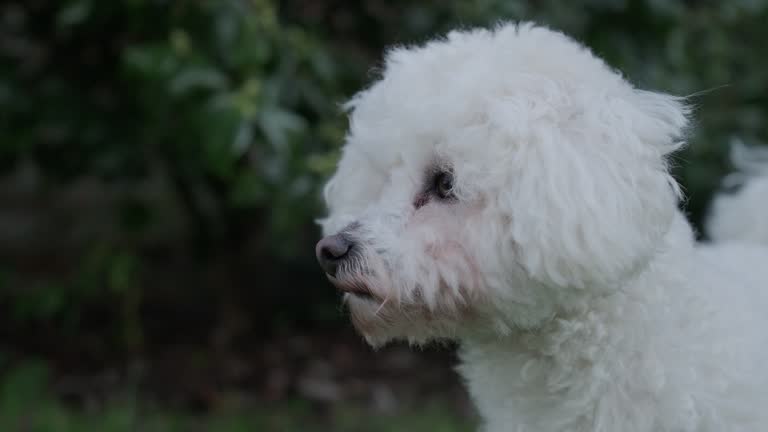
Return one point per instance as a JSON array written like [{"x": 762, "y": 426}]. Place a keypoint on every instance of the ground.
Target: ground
[{"x": 302, "y": 382}]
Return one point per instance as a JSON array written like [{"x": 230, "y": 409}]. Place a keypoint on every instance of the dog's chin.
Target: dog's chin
[
  {"x": 371, "y": 317},
  {"x": 380, "y": 319},
  {"x": 353, "y": 287},
  {"x": 370, "y": 311}
]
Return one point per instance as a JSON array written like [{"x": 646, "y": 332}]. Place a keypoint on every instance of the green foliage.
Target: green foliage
[
  {"x": 106, "y": 276},
  {"x": 233, "y": 111},
  {"x": 217, "y": 96}
]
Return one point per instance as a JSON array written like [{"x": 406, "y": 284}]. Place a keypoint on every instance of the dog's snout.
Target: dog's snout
[{"x": 331, "y": 251}]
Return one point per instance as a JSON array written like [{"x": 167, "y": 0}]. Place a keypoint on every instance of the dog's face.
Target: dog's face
[{"x": 491, "y": 180}]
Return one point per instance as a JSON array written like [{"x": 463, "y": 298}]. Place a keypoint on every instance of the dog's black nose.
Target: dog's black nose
[{"x": 331, "y": 251}]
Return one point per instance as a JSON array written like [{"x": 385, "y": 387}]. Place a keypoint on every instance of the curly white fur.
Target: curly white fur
[
  {"x": 743, "y": 215},
  {"x": 560, "y": 260}
]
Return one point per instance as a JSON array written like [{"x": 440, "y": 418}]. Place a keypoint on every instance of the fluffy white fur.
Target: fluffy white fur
[
  {"x": 561, "y": 262},
  {"x": 743, "y": 215}
]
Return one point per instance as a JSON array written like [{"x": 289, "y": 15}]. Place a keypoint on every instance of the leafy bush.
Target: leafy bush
[{"x": 212, "y": 116}]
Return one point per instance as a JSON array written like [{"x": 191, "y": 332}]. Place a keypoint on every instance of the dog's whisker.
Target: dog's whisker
[{"x": 381, "y": 306}]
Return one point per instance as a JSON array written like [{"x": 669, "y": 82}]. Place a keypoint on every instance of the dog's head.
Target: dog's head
[{"x": 492, "y": 178}]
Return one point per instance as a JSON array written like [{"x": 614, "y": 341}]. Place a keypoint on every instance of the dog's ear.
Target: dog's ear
[
  {"x": 660, "y": 120},
  {"x": 593, "y": 198}
]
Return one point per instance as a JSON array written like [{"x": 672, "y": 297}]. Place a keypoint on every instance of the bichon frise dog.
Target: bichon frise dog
[{"x": 508, "y": 190}]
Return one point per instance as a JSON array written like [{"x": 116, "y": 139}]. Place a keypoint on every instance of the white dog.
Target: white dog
[{"x": 507, "y": 189}]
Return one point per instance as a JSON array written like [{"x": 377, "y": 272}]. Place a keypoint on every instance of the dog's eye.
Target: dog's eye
[{"x": 444, "y": 185}]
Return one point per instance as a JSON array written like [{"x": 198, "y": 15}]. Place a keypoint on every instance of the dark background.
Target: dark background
[{"x": 160, "y": 168}]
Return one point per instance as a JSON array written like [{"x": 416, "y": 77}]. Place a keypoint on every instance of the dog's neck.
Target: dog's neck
[{"x": 582, "y": 361}]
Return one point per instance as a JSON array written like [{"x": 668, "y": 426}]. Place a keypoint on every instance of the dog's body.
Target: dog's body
[
  {"x": 682, "y": 348},
  {"x": 508, "y": 190}
]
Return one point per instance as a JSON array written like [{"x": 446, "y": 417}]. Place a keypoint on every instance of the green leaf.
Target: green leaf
[
  {"x": 197, "y": 78},
  {"x": 223, "y": 126},
  {"x": 74, "y": 13},
  {"x": 276, "y": 123}
]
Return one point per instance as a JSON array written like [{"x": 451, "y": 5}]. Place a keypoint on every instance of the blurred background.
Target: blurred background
[{"x": 160, "y": 168}]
